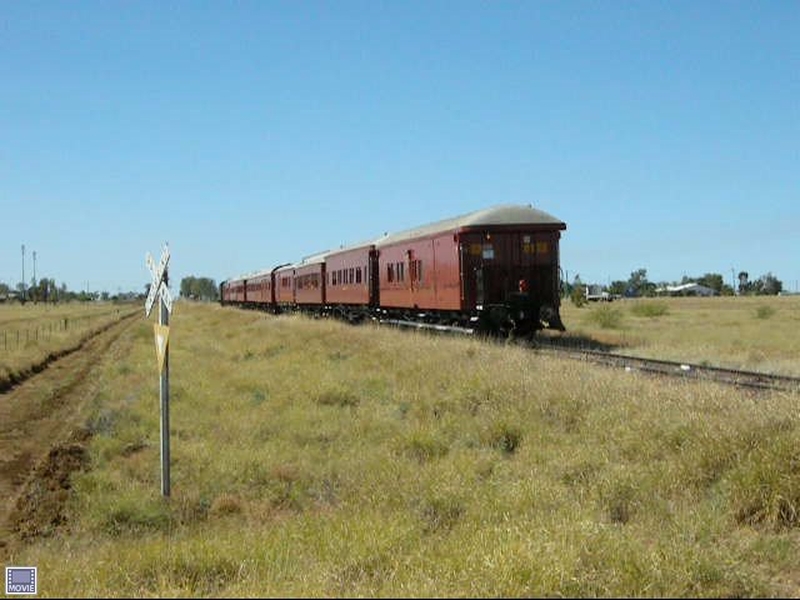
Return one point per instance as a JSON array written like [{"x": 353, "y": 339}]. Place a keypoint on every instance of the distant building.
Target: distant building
[
  {"x": 686, "y": 289},
  {"x": 595, "y": 293}
]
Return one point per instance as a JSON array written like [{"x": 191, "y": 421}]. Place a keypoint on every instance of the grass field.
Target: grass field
[
  {"x": 30, "y": 333},
  {"x": 312, "y": 458},
  {"x": 753, "y": 333}
]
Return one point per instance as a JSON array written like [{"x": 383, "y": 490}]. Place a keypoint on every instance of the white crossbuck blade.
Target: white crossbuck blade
[{"x": 156, "y": 287}]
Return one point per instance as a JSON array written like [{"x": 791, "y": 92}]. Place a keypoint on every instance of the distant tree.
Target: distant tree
[
  {"x": 33, "y": 291},
  {"x": 4, "y": 289},
  {"x": 638, "y": 285},
  {"x": 713, "y": 281},
  {"x": 617, "y": 288},
  {"x": 199, "y": 288},
  {"x": 187, "y": 285},
  {"x": 41, "y": 290},
  {"x": 769, "y": 285},
  {"x": 744, "y": 282}
]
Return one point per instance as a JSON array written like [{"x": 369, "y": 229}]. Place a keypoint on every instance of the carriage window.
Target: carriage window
[
  {"x": 390, "y": 272},
  {"x": 358, "y": 274},
  {"x": 352, "y": 275},
  {"x": 401, "y": 269}
]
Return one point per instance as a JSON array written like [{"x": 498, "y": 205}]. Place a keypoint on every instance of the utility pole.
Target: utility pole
[{"x": 23, "y": 273}]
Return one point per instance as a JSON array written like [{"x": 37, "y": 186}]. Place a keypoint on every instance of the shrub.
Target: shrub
[
  {"x": 425, "y": 446},
  {"x": 578, "y": 296},
  {"x": 606, "y": 317},
  {"x": 504, "y": 436},
  {"x": 226, "y": 504},
  {"x": 337, "y": 397},
  {"x": 441, "y": 512},
  {"x": 764, "y": 312},
  {"x": 650, "y": 309}
]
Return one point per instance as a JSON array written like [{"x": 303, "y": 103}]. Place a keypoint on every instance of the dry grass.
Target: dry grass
[
  {"x": 312, "y": 458},
  {"x": 31, "y": 333},
  {"x": 755, "y": 333}
]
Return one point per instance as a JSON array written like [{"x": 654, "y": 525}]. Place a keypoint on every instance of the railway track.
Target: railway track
[
  {"x": 753, "y": 380},
  {"x": 736, "y": 377}
]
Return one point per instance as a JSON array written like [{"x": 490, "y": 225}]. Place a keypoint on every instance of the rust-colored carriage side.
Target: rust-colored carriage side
[
  {"x": 351, "y": 277},
  {"x": 284, "y": 287},
  {"x": 259, "y": 289},
  {"x": 420, "y": 273},
  {"x": 233, "y": 291},
  {"x": 309, "y": 282}
]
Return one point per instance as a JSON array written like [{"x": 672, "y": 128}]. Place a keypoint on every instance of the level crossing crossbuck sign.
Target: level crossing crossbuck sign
[{"x": 156, "y": 287}]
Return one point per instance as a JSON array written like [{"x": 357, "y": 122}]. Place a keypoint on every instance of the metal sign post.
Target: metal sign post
[{"x": 159, "y": 288}]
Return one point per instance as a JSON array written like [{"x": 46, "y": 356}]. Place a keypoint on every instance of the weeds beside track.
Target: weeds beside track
[{"x": 741, "y": 378}]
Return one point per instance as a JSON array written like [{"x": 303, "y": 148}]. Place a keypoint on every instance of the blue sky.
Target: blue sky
[{"x": 246, "y": 134}]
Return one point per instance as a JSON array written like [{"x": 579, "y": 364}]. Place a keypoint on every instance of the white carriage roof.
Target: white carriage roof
[
  {"x": 244, "y": 276},
  {"x": 503, "y": 214},
  {"x": 313, "y": 259},
  {"x": 350, "y": 247}
]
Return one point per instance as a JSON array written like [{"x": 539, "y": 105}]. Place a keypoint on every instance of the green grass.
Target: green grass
[{"x": 312, "y": 458}]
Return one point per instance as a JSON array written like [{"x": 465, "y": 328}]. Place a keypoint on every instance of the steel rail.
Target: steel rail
[{"x": 735, "y": 377}]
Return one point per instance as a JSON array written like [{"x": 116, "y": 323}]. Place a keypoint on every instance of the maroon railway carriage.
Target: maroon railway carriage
[
  {"x": 497, "y": 268},
  {"x": 259, "y": 289},
  {"x": 284, "y": 287},
  {"x": 309, "y": 283},
  {"x": 351, "y": 284},
  {"x": 233, "y": 291}
]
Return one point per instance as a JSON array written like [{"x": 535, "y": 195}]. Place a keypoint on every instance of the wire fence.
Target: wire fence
[{"x": 14, "y": 338}]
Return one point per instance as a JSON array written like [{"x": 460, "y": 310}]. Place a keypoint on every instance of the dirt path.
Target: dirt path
[{"x": 43, "y": 438}]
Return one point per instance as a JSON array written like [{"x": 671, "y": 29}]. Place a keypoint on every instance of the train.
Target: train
[{"x": 494, "y": 271}]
